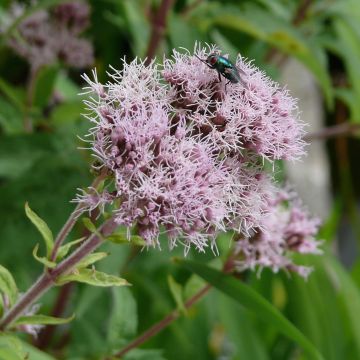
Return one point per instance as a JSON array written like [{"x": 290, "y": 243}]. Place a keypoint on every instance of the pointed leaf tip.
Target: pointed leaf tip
[
  {"x": 42, "y": 259},
  {"x": 42, "y": 320},
  {"x": 92, "y": 277},
  {"x": 42, "y": 227}
]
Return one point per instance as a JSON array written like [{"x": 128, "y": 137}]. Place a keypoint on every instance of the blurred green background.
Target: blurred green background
[{"x": 320, "y": 38}]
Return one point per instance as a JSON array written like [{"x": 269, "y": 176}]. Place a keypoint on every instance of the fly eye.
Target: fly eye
[{"x": 211, "y": 60}]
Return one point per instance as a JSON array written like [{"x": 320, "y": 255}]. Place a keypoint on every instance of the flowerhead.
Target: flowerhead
[
  {"x": 287, "y": 229},
  {"x": 185, "y": 152},
  {"x": 50, "y": 35}
]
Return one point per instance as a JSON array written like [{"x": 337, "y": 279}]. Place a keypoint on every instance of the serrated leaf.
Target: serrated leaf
[
  {"x": 177, "y": 293},
  {"x": 119, "y": 238},
  {"x": 92, "y": 277},
  {"x": 42, "y": 259},
  {"x": 42, "y": 227},
  {"x": 64, "y": 249},
  {"x": 8, "y": 285},
  {"x": 91, "y": 259},
  {"x": 42, "y": 320},
  {"x": 253, "y": 301}
]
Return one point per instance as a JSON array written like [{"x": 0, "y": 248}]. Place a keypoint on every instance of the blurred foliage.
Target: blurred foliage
[{"x": 45, "y": 167}]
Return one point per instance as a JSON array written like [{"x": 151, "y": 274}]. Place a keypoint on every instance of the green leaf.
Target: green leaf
[
  {"x": 11, "y": 120},
  {"x": 331, "y": 225},
  {"x": 193, "y": 285},
  {"x": 120, "y": 238},
  {"x": 64, "y": 249},
  {"x": 91, "y": 259},
  {"x": 34, "y": 353},
  {"x": 137, "y": 25},
  {"x": 177, "y": 293},
  {"x": 17, "y": 153},
  {"x": 44, "y": 85},
  {"x": 92, "y": 277},
  {"x": 10, "y": 354},
  {"x": 253, "y": 301},
  {"x": 350, "y": 52},
  {"x": 67, "y": 88},
  {"x": 320, "y": 320},
  {"x": 144, "y": 354},
  {"x": 349, "y": 296},
  {"x": 11, "y": 347},
  {"x": 123, "y": 318},
  {"x": 42, "y": 320},
  {"x": 181, "y": 34},
  {"x": 13, "y": 94},
  {"x": 350, "y": 98},
  {"x": 8, "y": 285},
  {"x": 67, "y": 113},
  {"x": 89, "y": 225},
  {"x": 42, "y": 227},
  {"x": 42, "y": 259}
]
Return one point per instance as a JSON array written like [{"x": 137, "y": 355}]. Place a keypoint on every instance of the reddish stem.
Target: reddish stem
[
  {"x": 62, "y": 299},
  {"x": 71, "y": 221},
  {"x": 155, "y": 329},
  {"x": 333, "y": 131},
  {"x": 168, "y": 319},
  {"x": 49, "y": 277},
  {"x": 158, "y": 29},
  {"x": 47, "y": 333}
]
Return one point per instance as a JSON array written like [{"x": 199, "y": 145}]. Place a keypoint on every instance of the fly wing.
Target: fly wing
[{"x": 232, "y": 74}]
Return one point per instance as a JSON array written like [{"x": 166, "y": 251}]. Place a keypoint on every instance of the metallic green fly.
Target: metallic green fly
[{"x": 224, "y": 67}]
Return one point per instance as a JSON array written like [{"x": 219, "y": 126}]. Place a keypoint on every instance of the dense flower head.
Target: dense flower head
[
  {"x": 47, "y": 36},
  {"x": 175, "y": 170},
  {"x": 287, "y": 228}
]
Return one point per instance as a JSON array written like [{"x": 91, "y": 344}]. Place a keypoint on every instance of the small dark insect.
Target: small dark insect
[{"x": 224, "y": 67}]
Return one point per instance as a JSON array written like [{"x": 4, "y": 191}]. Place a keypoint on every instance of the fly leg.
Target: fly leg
[{"x": 227, "y": 83}]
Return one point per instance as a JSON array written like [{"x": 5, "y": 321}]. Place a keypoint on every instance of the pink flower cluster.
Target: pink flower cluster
[
  {"x": 286, "y": 228},
  {"x": 47, "y": 36},
  {"x": 185, "y": 152}
]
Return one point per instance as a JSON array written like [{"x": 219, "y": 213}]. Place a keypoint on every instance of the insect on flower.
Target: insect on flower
[{"x": 224, "y": 67}]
